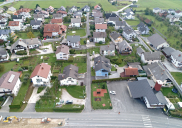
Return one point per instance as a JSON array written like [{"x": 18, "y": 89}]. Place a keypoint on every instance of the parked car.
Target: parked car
[
  {"x": 113, "y": 92},
  {"x": 174, "y": 90},
  {"x": 69, "y": 102}
]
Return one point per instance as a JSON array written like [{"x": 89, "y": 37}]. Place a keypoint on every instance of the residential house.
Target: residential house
[
  {"x": 73, "y": 41},
  {"x": 157, "y": 42},
  {"x": 99, "y": 37},
  {"x": 129, "y": 72},
  {"x": 63, "y": 13},
  {"x": 124, "y": 48},
  {"x": 4, "y": 34},
  {"x": 140, "y": 51},
  {"x": 62, "y": 8},
  {"x": 97, "y": 14},
  {"x": 97, "y": 7},
  {"x": 120, "y": 24},
  {"x": 41, "y": 75},
  {"x": 86, "y": 8},
  {"x": 57, "y": 21},
  {"x": 173, "y": 18},
  {"x": 38, "y": 9},
  {"x": 39, "y": 17},
  {"x": 52, "y": 30},
  {"x": 142, "y": 28},
  {"x": 112, "y": 20},
  {"x": 128, "y": 10},
  {"x": 69, "y": 75},
  {"x": 156, "y": 10},
  {"x": 32, "y": 43},
  {"x": 4, "y": 56},
  {"x": 25, "y": 12},
  {"x": 178, "y": 13},
  {"x": 50, "y": 9},
  {"x": 19, "y": 18},
  {"x": 3, "y": 25},
  {"x": 63, "y": 28},
  {"x": 137, "y": 65},
  {"x": 15, "y": 25},
  {"x": 6, "y": 16},
  {"x": 45, "y": 13},
  {"x": 99, "y": 20},
  {"x": 1, "y": 10},
  {"x": 133, "y": 6},
  {"x": 163, "y": 13},
  {"x": 77, "y": 15},
  {"x": 167, "y": 51},
  {"x": 19, "y": 45},
  {"x": 10, "y": 83},
  {"x": 107, "y": 50},
  {"x": 148, "y": 22},
  {"x": 57, "y": 16},
  {"x": 128, "y": 33},
  {"x": 62, "y": 52},
  {"x": 116, "y": 37},
  {"x": 72, "y": 10},
  {"x": 100, "y": 27},
  {"x": 35, "y": 24},
  {"x": 129, "y": 16},
  {"x": 107, "y": 15},
  {"x": 142, "y": 89},
  {"x": 171, "y": 11},
  {"x": 151, "y": 57},
  {"x": 176, "y": 59},
  {"x": 157, "y": 72},
  {"x": 102, "y": 66},
  {"x": 11, "y": 10},
  {"x": 75, "y": 22},
  {"x": 95, "y": 11}
]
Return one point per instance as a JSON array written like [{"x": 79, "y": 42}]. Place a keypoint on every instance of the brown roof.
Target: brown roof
[
  {"x": 61, "y": 12},
  {"x": 148, "y": 21},
  {"x": 63, "y": 48},
  {"x": 13, "y": 23},
  {"x": 100, "y": 26},
  {"x": 24, "y": 10},
  {"x": 51, "y": 28},
  {"x": 63, "y": 27},
  {"x": 41, "y": 70},
  {"x": 4, "y": 80},
  {"x": 96, "y": 6},
  {"x": 178, "y": 11},
  {"x": 56, "y": 21},
  {"x": 131, "y": 71},
  {"x": 99, "y": 35}
]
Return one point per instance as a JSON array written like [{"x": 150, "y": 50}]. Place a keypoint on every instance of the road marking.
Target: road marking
[{"x": 146, "y": 121}]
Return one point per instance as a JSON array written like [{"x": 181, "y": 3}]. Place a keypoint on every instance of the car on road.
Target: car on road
[
  {"x": 69, "y": 102},
  {"x": 113, "y": 92}
]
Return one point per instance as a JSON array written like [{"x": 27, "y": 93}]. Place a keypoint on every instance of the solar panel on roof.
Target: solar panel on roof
[{"x": 11, "y": 78}]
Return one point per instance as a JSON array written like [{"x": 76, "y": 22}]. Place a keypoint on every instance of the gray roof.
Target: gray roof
[
  {"x": 169, "y": 16},
  {"x": 75, "y": 20},
  {"x": 141, "y": 88},
  {"x": 86, "y": 6},
  {"x": 157, "y": 71},
  {"x": 62, "y": 48},
  {"x": 120, "y": 23},
  {"x": 170, "y": 9},
  {"x": 98, "y": 14},
  {"x": 128, "y": 10},
  {"x": 115, "y": 35},
  {"x": 156, "y": 8},
  {"x": 128, "y": 30},
  {"x": 5, "y": 31},
  {"x": 35, "y": 22},
  {"x": 99, "y": 35},
  {"x": 134, "y": 5},
  {"x": 57, "y": 15},
  {"x": 62, "y": 8},
  {"x": 17, "y": 17},
  {"x": 168, "y": 50},
  {"x": 177, "y": 55},
  {"x": 141, "y": 24},
  {"x": 2, "y": 51},
  {"x": 38, "y": 15},
  {"x": 73, "y": 39},
  {"x": 32, "y": 41},
  {"x": 135, "y": 65},
  {"x": 107, "y": 47},
  {"x": 113, "y": 18},
  {"x": 18, "y": 42},
  {"x": 152, "y": 55},
  {"x": 124, "y": 46},
  {"x": 99, "y": 20},
  {"x": 102, "y": 63},
  {"x": 160, "y": 97},
  {"x": 77, "y": 14},
  {"x": 69, "y": 71},
  {"x": 156, "y": 40},
  {"x": 140, "y": 50}
]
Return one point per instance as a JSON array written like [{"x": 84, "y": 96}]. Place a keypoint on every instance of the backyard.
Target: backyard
[
  {"x": 77, "y": 32},
  {"x": 177, "y": 76},
  {"x": 100, "y": 102},
  {"x": 23, "y": 35},
  {"x": 90, "y": 50}
]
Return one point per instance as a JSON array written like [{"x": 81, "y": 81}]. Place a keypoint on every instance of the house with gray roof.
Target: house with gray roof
[
  {"x": 19, "y": 18},
  {"x": 99, "y": 20},
  {"x": 140, "y": 50},
  {"x": 128, "y": 33},
  {"x": 176, "y": 59},
  {"x": 129, "y": 16},
  {"x": 75, "y": 22},
  {"x": 72, "y": 10},
  {"x": 120, "y": 24},
  {"x": 99, "y": 37},
  {"x": 170, "y": 11},
  {"x": 157, "y": 42},
  {"x": 10, "y": 83},
  {"x": 156, "y": 10},
  {"x": 107, "y": 50},
  {"x": 36, "y": 24},
  {"x": 4, "y": 34},
  {"x": 86, "y": 8},
  {"x": 69, "y": 75},
  {"x": 39, "y": 17},
  {"x": 102, "y": 66},
  {"x": 143, "y": 28},
  {"x": 62, "y": 52},
  {"x": 173, "y": 18},
  {"x": 157, "y": 72},
  {"x": 142, "y": 90},
  {"x": 115, "y": 37},
  {"x": 151, "y": 57},
  {"x": 124, "y": 48},
  {"x": 4, "y": 56},
  {"x": 57, "y": 16},
  {"x": 73, "y": 41},
  {"x": 32, "y": 43},
  {"x": 167, "y": 51},
  {"x": 97, "y": 14},
  {"x": 112, "y": 20},
  {"x": 108, "y": 15},
  {"x": 62, "y": 8},
  {"x": 128, "y": 10},
  {"x": 77, "y": 15}
]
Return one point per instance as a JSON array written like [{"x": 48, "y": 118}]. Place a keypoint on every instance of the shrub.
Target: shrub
[
  {"x": 114, "y": 79},
  {"x": 100, "y": 42},
  {"x": 23, "y": 52},
  {"x": 72, "y": 51},
  {"x": 53, "y": 77},
  {"x": 1, "y": 68},
  {"x": 20, "y": 69},
  {"x": 1, "y": 98},
  {"x": 24, "y": 67}
]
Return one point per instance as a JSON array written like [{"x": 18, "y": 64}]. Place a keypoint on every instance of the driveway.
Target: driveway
[
  {"x": 123, "y": 103},
  {"x": 5, "y": 107},
  {"x": 66, "y": 96},
  {"x": 48, "y": 49},
  {"x": 170, "y": 66}
]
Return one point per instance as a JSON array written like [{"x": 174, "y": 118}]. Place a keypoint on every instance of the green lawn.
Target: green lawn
[
  {"x": 104, "y": 100},
  {"x": 113, "y": 68},
  {"x": 134, "y": 22},
  {"x": 177, "y": 76},
  {"x": 82, "y": 41},
  {"x": 75, "y": 91},
  {"x": 92, "y": 72},
  {"x": 40, "y": 89},
  {"x": 24, "y": 35},
  {"x": 79, "y": 32},
  {"x": 58, "y": 3},
  {"x": 8, "y": 66},
  {"x": 84, "y": 51},
  {"x": 33, "y": 51}
]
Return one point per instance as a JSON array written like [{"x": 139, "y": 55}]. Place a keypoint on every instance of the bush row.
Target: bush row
[
  {"x": 69, "y": 109},
  {"x": 23, "y": 52},
  {"x": 24, "y": 67},
  {"x": 113, "y": 79},
  {"x": 16, "y": 105}
]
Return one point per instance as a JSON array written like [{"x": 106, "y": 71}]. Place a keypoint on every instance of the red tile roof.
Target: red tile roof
[
  {"x": 178, "y": 11},
  {"x": 63, "y": 27},
  {"x": 13, "y": 23},
  {"x": 51, "y": 28},
  {"x": 41, "y": 70},
  {"x": 96, "y": 6},
  {"x": 131, "y": 71},
  {"x": 23, "y": 10},
  {"x": 56, "y": 21},
  {"x": 100, "y": 26},
  {"x": 61, "y": 12}
]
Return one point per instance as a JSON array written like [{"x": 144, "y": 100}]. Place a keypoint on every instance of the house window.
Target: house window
[{"x": 39, "y": 80}]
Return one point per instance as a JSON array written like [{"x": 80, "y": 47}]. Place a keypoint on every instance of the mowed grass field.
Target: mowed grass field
[
  {"x": 164, "y": 4},
  {"x": 58, "y": 3}
]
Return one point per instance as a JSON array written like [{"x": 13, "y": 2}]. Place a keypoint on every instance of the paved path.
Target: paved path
[
  {"x": 123, "y": 8},
  {"x": 9, "y": 1},
  {"x": 5, "y": 108}
]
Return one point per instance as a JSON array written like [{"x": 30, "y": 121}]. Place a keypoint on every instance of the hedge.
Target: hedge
[
  {"x": 53, "y": 77},
  {"x": 113, "y": 79},
  {"x": 68, "y": 109},
  {"x": 24, "y": 67},
  {"x": 16, "y": 105},
  {"x": 21, "y": 52},
  {"x": 1, "y": 98}
]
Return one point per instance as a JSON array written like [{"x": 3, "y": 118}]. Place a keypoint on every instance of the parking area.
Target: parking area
[
  {"x": 170, "y": 66},
  {"x": 123, "y": 103}
]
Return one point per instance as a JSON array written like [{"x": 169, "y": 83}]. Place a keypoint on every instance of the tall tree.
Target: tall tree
[{"x": 30, "y": 35}]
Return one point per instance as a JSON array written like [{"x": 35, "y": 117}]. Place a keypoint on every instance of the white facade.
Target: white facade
[
  {"x": 109, "y": 52},
  {"x": 178, "y": 14},
  {"x": 38, "y": 81},
  {"x": 25, "y": 14},
  {"x": 69, "y": 81},
  {"x": 16, "y": 27},
  {"x": 20, "y": 20},
  {"x": 164, "y": 45},
  {"x": 4, "y": 37},
  {"x": 130, "y": 17},
  {"x": 74, "y": 45},
  {"x": 62, "y": 56},
  {"x": 176, "y": 63},
  {"x": 36, "y": 26},
  {"x": 148, "y": 61},
  {"x": 156, "y": 10},
  {"x": 6, "y": 57},
  {"x": 33, "y": 46},
  {"x": 170, "y": 12},
  {"x": 55, "y": 34},
  {"x": 75, "y": 24},
  {"x": 129, "y": 36},
  {"x": 40, "y": 19},
  {"x": 100, "y": 30},
  {"x": 99, "y": 39}
]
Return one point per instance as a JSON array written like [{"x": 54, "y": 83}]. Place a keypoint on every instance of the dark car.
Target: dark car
[
  {"x": 69, "y": 102},
  {"x": 174, "y": 90}
]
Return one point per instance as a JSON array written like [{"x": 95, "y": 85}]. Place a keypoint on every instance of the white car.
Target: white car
[{"x": 113, "y": 92}]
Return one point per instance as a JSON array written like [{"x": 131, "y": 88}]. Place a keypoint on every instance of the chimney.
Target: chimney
[
  {"x": 158, "y": 85},
  {"x": 42, "y": 67},
  {"x": 179, "y": 55}
]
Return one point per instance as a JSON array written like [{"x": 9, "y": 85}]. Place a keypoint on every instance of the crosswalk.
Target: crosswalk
[{"x": 146, "y": 121}]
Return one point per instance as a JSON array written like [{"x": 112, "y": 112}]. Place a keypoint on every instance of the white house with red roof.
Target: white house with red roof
[
  {"x": 97, "y": 7},
  {"x": 41, "y": 75},
  {"x": 100, "y": 27}
]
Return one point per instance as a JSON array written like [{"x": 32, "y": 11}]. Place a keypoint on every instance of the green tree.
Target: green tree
[
  {"x": 92, "y": 27},
  {"x": 162, "y": 57},
  {"x": 10, "y": 38},
  {"x": 37, "y": 5},
  {"x": 20, "y": 69},
  {"x": 1, "y": 68},
  {"x": 30, "y": 35},
  {"x": 83, "y": 19},
  {"x": 100, "y": 42},
  {"x": 21, "y": 6},
  {"x": 27, "y": 20},
  {"x": 5, "y": 8},
  {"x": 119, "y": 61}
]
